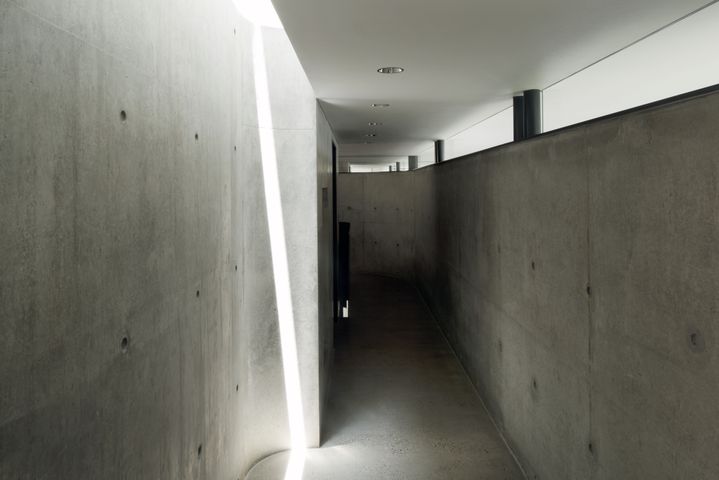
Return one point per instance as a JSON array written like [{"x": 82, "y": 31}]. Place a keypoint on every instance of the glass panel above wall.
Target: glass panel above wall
[
  {"x": 426, "y": 158},
  {"x": 495, "y": 130},
  {"x": 376, "y": 164},
  {"x": 678, "y": 59}
]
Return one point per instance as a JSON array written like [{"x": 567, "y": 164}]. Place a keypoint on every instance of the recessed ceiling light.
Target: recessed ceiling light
[
  {"x": 390, "y": 70},
  {"x": 370, "y": 134},
  {"x": 374, "y": 124},
  {"x": 382, "y": 105}
]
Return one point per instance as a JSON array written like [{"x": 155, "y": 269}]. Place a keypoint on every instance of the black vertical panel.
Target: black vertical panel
[{"x": 344, "y": 264}]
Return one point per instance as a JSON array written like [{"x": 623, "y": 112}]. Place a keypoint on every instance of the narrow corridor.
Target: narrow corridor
[
  {"x": 185, "y": 187},
  {"x": 400, "y": 405}
]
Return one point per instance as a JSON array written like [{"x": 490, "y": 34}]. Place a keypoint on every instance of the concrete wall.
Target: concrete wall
[
  {"x": 137, "y": 302},
  {"x": 576, "y": 276},
  {"x": 380, "y": 210},
  {"x": 294, "y": 131},
  {"x": 325, "y": 290}
]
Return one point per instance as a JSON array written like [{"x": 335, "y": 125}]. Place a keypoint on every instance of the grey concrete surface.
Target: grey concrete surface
[
  {"x": 380, "y": 210},
  {"x": 137, "y": 300},
  {"x": 401, "y": 407},
  {"x": 576, "y": 276},
  {"x": 325, "y": 290}
]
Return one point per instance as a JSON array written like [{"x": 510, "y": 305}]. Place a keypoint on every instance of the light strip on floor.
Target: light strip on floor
[
  {"x": 295, "y": 465},
  {"x": 275, "y": 220}
]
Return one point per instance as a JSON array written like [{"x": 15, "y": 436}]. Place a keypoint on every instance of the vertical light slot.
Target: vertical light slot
[
  {"x": 259, "y": 12},
  {"x": 273, "y": 201}
]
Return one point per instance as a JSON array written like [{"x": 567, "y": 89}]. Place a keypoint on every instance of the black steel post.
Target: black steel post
[
  {"x": 438, "y": 151},
  {"x": 533, "y": 125},
  {"x": 413, "y": 162},
  {"x": 519, "y": 133}
]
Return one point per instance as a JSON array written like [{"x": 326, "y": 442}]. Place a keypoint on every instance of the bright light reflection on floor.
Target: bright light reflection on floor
[
  {"x": 295, "y": 465},
  {"x": 273, "y": 201}
]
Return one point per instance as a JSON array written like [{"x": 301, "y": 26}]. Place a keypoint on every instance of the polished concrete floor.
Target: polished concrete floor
[{"x": 400, "y": 405}]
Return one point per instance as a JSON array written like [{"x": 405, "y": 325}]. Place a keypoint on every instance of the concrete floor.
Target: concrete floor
[{"x": 400, "y": 405}]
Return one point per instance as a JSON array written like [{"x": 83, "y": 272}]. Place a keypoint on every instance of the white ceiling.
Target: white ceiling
[{"x": 464, "y": 59}]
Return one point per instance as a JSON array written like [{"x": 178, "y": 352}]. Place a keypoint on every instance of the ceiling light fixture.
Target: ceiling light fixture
[
  {"x": 375, "y": 124},
  {"x": 390, "y": 70},
  {"x": 381, "y": 105},
  {"x": 370, "y": 134}
]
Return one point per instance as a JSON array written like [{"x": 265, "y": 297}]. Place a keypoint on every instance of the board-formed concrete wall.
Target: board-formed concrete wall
[
  {"x": 577, "y": 277},
  {"x": 137, "y": 307}
]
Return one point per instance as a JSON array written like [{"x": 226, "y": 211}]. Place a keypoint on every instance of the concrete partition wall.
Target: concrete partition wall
[
  {"x": 325, "y": 290},
  {"x": 577, "y": 277},
  {"x": 380, "y": 210},
  {"x": 503, "y": 266},
  {"x": 137, "y": 297}
]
